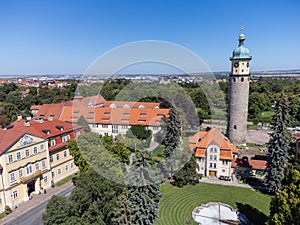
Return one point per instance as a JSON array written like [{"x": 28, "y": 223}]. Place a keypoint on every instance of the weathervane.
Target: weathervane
[{"x": 242, "y": 29}]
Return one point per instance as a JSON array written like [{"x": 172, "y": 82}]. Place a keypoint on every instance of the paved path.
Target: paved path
[
  {"x": 41, "y": 199},
  {"x": 234, "y": 182}
]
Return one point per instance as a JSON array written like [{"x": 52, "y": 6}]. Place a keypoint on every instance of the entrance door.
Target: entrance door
[
  {"x": 212, "y": 173},
  {"x": 31, "y": 187}
]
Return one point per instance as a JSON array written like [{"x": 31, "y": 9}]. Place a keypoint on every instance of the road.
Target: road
[{"x": 34, "y": 215}]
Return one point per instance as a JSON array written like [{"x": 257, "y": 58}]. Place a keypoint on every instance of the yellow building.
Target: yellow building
[{"x": 33, "y": 156}]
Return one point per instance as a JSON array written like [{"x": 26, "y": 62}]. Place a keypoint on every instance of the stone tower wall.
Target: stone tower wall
[{"x": 238, "y": 109}]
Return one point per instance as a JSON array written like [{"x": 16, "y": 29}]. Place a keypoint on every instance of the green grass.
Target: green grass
[
  {"x": 253, "y": 145},
  {"x": 2, "y": 215},
  {"x": 65, "y": 180},
  {"x": 177, "y": 204},
  {"x": 253, "y": 126},
  {"x": 158, "y": 152}
]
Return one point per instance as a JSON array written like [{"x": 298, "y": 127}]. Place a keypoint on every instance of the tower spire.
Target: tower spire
[{"x": 241, "y": 37}]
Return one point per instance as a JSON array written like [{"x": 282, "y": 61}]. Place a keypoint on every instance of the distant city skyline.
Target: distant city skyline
[{"x": 65, "y": 37}]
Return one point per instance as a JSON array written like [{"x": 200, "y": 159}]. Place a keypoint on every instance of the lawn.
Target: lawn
[
  {"x": 177, "y": 204},
  {"x": 65, "y": 180}
]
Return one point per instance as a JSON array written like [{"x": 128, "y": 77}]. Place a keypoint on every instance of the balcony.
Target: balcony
[{"x": 31, "y": 176}]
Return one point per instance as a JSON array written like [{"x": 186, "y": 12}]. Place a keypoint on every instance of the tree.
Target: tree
[
  {"x": 82, "y": 122},
  {"x": 285, "y": 205},
  {"x": 57, "y": 211},
  {"x": 79, "y": 160},
  {"x": 187, "y": 174},
  {"x": 172, "y": 139},
  {"x": 278, "y": 147},
  {"x": 139, "y": 131},
  {"x": 143, "y": 191}
]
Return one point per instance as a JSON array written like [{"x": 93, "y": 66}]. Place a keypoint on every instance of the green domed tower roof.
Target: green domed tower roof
[{"x": 241, "y": 52}]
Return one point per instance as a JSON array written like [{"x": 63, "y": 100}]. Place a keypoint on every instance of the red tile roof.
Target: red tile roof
[
  {"x": 250, "y": 163},
  {"x": 9, "y": 136},
  {"x": 96, "y": 110},
  {"x": 201, "y": 140}
]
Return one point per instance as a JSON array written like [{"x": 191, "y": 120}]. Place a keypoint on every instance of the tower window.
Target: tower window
[
  {"x": 242, "y": 70},
  {"x": 242, "y": 79},
  {"x": 233, "y": 79},
  {"x": 242, "y": 63},
  {"x": 234, "y": 127},
  {"x": 236, "y": 71}
]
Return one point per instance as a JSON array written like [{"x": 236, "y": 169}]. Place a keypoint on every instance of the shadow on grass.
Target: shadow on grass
[{"x": 254, "y": 215}]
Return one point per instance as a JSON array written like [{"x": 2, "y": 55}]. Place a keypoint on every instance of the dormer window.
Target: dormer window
[
  {"x": 113, "y": 105},
  {"x": 126, "y": 106},
  {"x": 46, "y": 131},
  {"x": 141, "y": 106},
  {"x": 143, "y": 114},
  {"x": 106, "y": 113},
  {"x": 61, "y": 128}
]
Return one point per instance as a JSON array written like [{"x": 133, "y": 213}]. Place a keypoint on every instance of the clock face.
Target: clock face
[
  {"x": 247, "y": 64},
  {"x": 236, "y": 65}
]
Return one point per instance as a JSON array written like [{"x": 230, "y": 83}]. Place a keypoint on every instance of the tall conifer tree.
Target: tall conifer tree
[
  {"x": 278, "y": 147},
  {"x": 172, "y": 139}
]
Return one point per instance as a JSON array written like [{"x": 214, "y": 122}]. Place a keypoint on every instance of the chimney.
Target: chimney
[
  {"x": 50, "y": 118},
  {"x": 27, "y": 123},
  {"x": 41, "y": 120},
  {"x": 28, "y": 117},
  {"x": 19, "y": 117}
]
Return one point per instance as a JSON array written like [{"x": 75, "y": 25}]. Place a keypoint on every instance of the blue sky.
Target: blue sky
[{"x": 64, "y": 36}]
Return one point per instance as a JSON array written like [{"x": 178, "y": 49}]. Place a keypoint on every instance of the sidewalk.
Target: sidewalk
[
  {"x": 36, "y": 200},
  {"x": 223, "y": 182}
]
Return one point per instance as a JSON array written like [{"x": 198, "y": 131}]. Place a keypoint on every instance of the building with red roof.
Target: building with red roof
[
  {"x": 214, "y": 153},
  {"x": 105, "y": 117},
  {"x": 34, "y": 156}
]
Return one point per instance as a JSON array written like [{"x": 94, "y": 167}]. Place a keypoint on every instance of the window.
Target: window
[
  {"x": 65, "y": 138},
  {"x": 215, "y": 165},
  {"x": 20, "y": 173},
  {"x": 125, "y": 120},
  {"x": 143, "y": 114},
  {"x": 211, "y": 149},
  {"x": 215, "y": 150},
  {"x": 91, "y": 113},
  {"x": 215, "y": 158},
  {"x": 113, "y": 105},
  {"x": 125, "y": 114},
  {"x": 45, "y": 179},
  {"x": 141, "y": 106},
  {"x": 155, "y": 128},
  {"x": 104, "y": 125},
  {"x": 223, "y": 170},
  {"x": 242, "y": 79},
  {"x": 15, "y": 194},
  {"x": 114, "y": 128},
  {"x": 224, "y": 162},
  {"x": 27, "y": 153},
  {"x": 19, "y": 156},
  {"x": 59, "y": 171},
  {"x": 35, "y": 150},
  {"x": 234, "y": 127},
  {"x": 12, "y": 177},
  {"x": 162, "y": 115},
  {"x": 76, "y": 112},
  {"x": 44, "y": 163},
  {"x": 28, "y": 169},
  {"x": 42, "y": 147},
  {"x": 10, "y": 158},
  {"x": 106, "y": 113},
  {"x": 211, "y": 157},
  {"x": 124, "y": 126},
  {"x": 51, "y": 158},
  {"x": 126, "y": 106},
  {"x": 234, "y": 79},
  {"x": 65, "y": 153},
  {"x": 53, "y": 174},
  {"x": 57, "y": 156},
  {"x": 210, "y": 165},
  {"x": 142, "y": 121},
  {"x": 77, "y": 132},
  {"x": 52, "y": 142},
  {"x": 72, "y": 165},
  {"x": 37, "y": 167},
  {"x": 67, "y": 168}
]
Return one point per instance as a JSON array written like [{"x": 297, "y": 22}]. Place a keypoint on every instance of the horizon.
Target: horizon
[{"x": 59, "y": 37}]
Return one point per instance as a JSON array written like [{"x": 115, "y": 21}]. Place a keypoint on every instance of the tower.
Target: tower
[{"x": 239, "y": 79}]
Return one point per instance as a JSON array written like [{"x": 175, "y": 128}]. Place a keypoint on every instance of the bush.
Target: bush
[{"x": 8, "y": 210}]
